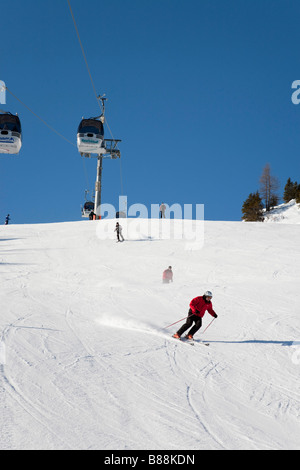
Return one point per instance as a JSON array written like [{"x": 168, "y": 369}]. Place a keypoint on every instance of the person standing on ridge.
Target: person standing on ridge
[
  {"x": 168, "y": 275},
  {"x": 118, "y": 229},
  {"x": 7, "y": 219},
  {"x": 162, "y": 210},
  {"x": 198, "y": 307}
]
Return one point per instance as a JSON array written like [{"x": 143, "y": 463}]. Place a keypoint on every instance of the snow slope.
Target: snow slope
[
  {"x": 288, "y": 213},
  {"x": 86, "y": 363}
]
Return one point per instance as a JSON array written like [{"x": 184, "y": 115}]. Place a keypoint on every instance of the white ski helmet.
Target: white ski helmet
[{"x": 208, "y": 293}]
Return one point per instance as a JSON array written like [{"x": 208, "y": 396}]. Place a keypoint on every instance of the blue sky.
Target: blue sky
[{"x": 199, "y": 92}]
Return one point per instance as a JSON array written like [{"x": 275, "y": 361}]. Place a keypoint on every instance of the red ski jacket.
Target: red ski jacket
[
  {"x": 168, "y": 274},
  {"x": 199, "y": 307}
]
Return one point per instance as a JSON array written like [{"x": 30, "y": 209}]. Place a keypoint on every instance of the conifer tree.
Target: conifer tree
[
  {"x": 296, "y": 190},
  {"x": 298, "y": 195},
  {"x": 253, "y": 208},
  {"x": 290, "y": 190},
  {"x": 274, "y": 201}
]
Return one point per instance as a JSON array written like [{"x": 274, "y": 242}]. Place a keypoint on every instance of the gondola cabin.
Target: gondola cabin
[
  {"x": 87, "y": 208},
  {"x": 90, "y": 137},
  {"x": 10, "y": 134}
]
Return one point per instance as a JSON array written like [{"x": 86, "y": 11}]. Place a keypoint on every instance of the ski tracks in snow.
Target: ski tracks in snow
[
  {"x": 188, "y": 366},
  {"x": 235, "y": 406},
  {"x": 89, "y": 368}
]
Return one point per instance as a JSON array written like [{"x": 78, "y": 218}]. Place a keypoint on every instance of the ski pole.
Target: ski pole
[{"x": 175, "y": 323}]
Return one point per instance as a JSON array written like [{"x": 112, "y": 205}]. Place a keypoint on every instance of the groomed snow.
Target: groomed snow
[{"x": 87, "y": 364}]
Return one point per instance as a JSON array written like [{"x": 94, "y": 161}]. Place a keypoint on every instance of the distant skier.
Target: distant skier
[
  {"x": 118, "y": 229},
  {"x": 7, "y": 219},
  {"x": 167, "y": 275},
  {"x": 162, "y": 211},
  {"x": 198, "y": 307}
]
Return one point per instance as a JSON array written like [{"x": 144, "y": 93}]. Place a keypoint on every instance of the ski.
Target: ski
[
  {"x": 192, "y": 342},
  {"x": 184, "y": 340},
  {"x": 188, "y": 341}
]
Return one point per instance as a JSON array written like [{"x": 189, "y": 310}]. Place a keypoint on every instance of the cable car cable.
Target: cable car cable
[
  {"x": 84, "y": 56},
  {"x": 43, "y": 121},
  {"x": 92, "y": 82},
  {"x": 54, "y": 130},
  {"x": 98, "y": 98}
]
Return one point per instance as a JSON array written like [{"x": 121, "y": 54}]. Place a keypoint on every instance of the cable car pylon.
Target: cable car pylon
[{"x": 92, "y": 144}]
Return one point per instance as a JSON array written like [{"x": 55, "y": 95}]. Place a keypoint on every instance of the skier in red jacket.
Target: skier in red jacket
[
  {"x": 198, "y": 307},
  {"x": 168, "y": 275}
]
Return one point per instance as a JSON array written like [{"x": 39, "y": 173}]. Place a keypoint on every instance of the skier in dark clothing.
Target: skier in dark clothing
[
  {"x": 162, "y": 211},
  {"x": 118, "y": 229},
  {"x": 7, "y": 219},
  {"x": 198, "y": 307}
]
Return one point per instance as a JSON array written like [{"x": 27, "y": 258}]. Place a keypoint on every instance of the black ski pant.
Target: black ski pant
[
  {"x": 120, "y": 237},
  {"x": 190, "y": 320}
]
